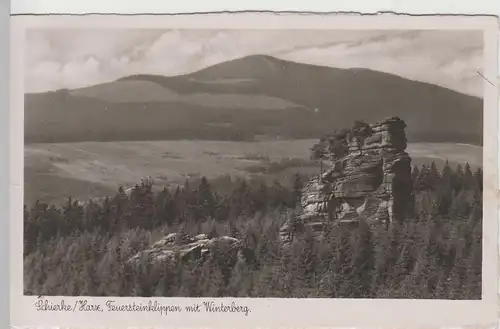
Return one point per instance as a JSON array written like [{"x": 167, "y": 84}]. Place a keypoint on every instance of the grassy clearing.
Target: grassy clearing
[{"x": 53, "y": 171}]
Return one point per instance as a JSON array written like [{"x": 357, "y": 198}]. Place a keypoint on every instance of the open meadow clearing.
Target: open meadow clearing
[{"x": 97, "y": 168}]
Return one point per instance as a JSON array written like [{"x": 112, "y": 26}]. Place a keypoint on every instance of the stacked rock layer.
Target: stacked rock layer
[{"x": 371, "y": 181}]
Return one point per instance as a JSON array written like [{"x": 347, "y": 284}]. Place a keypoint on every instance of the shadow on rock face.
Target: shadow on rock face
[
  {"x": 184, "y": 248},
  {"x": 371, "y": 180}
]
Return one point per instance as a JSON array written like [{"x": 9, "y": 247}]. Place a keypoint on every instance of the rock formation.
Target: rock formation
[
  {"x": 183, "y": 247},
  {"x": 369, "y": 177}
]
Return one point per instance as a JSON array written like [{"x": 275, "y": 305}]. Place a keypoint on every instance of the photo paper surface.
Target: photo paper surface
[{"x": 258, "y": 169}]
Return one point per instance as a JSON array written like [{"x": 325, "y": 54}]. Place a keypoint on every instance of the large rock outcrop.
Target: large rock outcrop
[
  {"x": 370, "y": 180},
  {"x": 184, "y": 247}
]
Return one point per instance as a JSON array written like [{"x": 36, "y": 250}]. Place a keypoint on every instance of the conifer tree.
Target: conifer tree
[
  {"x": 206, "y": 200},
  {"x": 469, "y": 182},
  {"x": 478, "y": 176},
  {"x": 363, "y": 261},
  {"x": 434, "y": 175},
  {"x": 415, "y": 173},
  {"x": 458, "y": 181},
  {"x": 444, "y": 190}
]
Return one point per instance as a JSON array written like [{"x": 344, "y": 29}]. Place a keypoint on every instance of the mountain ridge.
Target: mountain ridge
[
  {"x": 248, "y": 57},
  {"x": 306, "y": 101}
]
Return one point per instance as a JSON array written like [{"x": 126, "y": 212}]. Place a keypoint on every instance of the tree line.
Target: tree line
[
  {"x": 190, "y": 204},
  {"x": 81, "y": 249}
]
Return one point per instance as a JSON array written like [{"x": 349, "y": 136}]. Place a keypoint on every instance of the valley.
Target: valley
[{"x": 54, "y": 171}]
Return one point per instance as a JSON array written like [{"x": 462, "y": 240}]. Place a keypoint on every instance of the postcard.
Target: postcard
[{"x": 254, "y": 170}]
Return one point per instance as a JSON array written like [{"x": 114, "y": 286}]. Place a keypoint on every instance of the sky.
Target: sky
[{"x": 66, "y": 58}]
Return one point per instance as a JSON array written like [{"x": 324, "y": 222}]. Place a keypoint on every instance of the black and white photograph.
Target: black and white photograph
[
  {"x": 332, "y": 164},
  {"x": 272, "y": 163}
]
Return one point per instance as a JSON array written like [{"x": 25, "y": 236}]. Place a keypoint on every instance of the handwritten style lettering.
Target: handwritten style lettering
[
  {"x": 112, "y": 306},
  {"x": 82, "y": 305},
  {"x": 222, "y": 308},
  {"x": 44, "y": 305}
]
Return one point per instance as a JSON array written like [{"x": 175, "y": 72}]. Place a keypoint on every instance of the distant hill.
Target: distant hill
[{"x": 249, "y": 97}]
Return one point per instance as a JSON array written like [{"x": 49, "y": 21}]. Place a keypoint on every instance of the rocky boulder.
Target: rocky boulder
[
  {"x": 370, "y": 180},
  {"x": 184, "y": 247}
]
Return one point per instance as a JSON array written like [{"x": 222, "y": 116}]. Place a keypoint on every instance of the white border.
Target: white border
[
  {"x": 188, "y": 6},
  {"x": 269, "y": 312}
]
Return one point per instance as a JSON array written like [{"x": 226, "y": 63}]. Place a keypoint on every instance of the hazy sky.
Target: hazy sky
[{"x": 75, "y": 58}]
